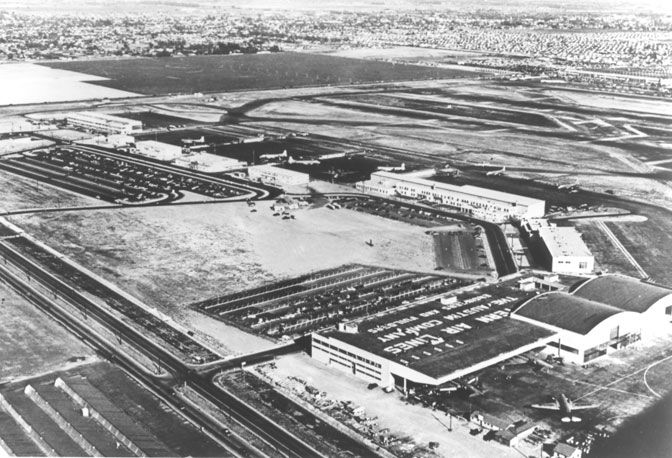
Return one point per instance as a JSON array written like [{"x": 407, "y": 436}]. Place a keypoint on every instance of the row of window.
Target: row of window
[
  {"x": 326, "y": 347},
  {"x": 562, "y": 347}
]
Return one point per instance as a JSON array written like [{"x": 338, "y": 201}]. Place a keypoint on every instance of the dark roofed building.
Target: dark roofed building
[
  {"x": 628, "y": 294},
  {"x": 433, "y": 341},
  {"x": 585, "y": 329},
  {"x": 566, "y": 312}
]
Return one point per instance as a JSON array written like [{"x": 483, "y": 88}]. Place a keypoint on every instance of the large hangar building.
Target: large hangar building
[
  {"x": 600, "y": 316},
  {"x": 436, "y": 340},
  {"x": 629, "y": 294},
  {"x": 584, "y": 329},
  {"x": 432, "y": 342}
]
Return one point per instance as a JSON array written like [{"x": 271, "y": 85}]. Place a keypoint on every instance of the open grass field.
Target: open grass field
[
  {"x": 30, "y": 341},
  {"x": 607, "y": 256},
  {"x": 241, "y": 72},
  {"x": 425, "y": 107},
  {"x": 649, "y": 245}
]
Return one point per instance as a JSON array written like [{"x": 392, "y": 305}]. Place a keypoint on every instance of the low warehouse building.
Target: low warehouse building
[
  {"x": 277, "y": 176},
  {"x": 584, "y": 329},
  {"x": 629, "y": 294},
  {"x": 209, "y": 163},
  {"x": 158, "y": 150}
]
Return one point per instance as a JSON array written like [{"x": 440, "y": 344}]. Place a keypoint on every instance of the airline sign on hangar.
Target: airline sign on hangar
[{"x": 432, "y": 327}]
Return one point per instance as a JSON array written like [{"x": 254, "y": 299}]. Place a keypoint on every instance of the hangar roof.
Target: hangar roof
[
  {"x": 625, "y": 293},
  {"x": 567, "y": 312}
]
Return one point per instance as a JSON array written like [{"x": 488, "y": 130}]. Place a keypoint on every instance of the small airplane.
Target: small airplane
[
  {"x": 282, "y": 155},
  {"x": 401, "y": 168},
  {"x": 496, "y": 172},
  {"x": 370, "y": 242},
  {"x": 568, "y": 187},
  {"x": 565, "y": 406},
  {"x": 291, "y": 160},
  {"x": 191, "y": 141}
]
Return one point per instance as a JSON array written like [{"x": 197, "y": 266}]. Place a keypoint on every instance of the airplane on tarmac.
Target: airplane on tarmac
[
  {"x": 401, "y": 168},
  {"x": 565, "y": 406},
  {"x": 496, "y": 172}
]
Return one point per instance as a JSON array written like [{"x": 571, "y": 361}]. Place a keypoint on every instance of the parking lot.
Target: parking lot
[
  {"x": 109, "y": 179},
  {"x": 319, "y": 300}
]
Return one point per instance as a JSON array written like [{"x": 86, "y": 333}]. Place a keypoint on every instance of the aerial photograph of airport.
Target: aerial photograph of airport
[{"x": 291, "y": 228}]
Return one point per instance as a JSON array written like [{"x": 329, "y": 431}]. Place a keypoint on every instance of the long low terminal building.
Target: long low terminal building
[
  {"x": 432, "y": 342},
  {"x": 101, "y": 122},
  {"x": 487, "y": 204}
]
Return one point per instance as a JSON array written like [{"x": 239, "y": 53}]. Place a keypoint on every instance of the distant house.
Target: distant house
[{"x": 562, "y": 450}]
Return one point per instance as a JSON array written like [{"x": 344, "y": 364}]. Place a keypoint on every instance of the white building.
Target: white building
[
  {"x": 158, "y": 150},
  {"x": 585, "y": 329},
  {"x": 432, "y": 342},
  {"x": 102, "y": 122},
  {"x": 109, "y": 141},
  {"x": 487, "y": 204},
  {"x": 562, "y": 248},
  {"x": 209, "y": 163},
  {"x": 277, "y": 176}
]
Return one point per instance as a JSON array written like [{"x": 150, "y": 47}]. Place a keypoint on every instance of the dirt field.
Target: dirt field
[
  {"x": 16, "y": 145},
  {"x": 32, "y": 343},
  {"x": 181, "y": 254},
  {"x": 22, "y": 193}
]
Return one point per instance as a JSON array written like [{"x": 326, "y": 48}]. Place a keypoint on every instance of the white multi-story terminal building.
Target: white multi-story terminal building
[
  {"x": 102, "y": 122},
  {"x": 277, "y": 176},
  {"x": 561, "y": 247},
  {"x": 487, "y": 204}
]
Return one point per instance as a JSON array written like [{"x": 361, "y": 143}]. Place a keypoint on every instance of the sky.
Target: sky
[{"x": 603, "y": 6}]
